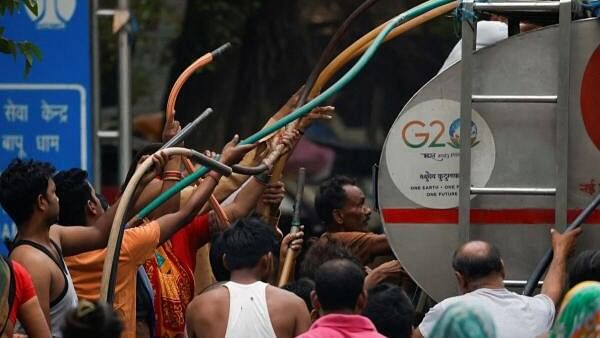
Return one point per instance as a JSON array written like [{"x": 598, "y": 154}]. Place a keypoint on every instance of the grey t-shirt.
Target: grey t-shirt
[{"x": 514, "y": 315}]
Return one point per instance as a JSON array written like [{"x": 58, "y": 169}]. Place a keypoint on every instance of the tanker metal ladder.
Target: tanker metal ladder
[{"x": 561, "y": 101}]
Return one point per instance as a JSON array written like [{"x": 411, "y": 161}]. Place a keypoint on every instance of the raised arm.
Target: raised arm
[
  {"x": 76, "y": 239},
  {"x": 170, "y": 223},
  {"x": 563, "y": 246},
  {"x": 171, "y": 174},
  {"x": 248, "y": 196}
]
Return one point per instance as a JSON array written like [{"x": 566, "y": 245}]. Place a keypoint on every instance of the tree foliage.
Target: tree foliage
[{"x": 14, "y": 47}]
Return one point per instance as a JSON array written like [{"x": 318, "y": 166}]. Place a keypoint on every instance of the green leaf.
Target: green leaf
[
  {"x": 32, "y": 5},
  {"x": 8, "y": 47},
  {"x": 24, "y": 49},
  {"x": 27, "y": 69},
  {"x": 4, "y": 46},
  {"x": 37, "y": 53},
  {"x": 1, "y": 31}
]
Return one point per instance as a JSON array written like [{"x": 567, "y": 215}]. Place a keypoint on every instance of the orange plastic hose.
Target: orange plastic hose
[
  {"x": 170, "y": 115},
  {"x": 198, "y": 64}
]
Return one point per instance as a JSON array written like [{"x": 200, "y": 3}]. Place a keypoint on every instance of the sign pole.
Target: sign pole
[{"x": 124, "y": 98}]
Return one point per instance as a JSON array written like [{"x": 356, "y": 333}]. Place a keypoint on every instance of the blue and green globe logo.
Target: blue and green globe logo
[{"x": 454, "y": 132}]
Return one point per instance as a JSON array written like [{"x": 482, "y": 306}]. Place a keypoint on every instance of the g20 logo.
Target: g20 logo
[{"x": 417, "y": 133}]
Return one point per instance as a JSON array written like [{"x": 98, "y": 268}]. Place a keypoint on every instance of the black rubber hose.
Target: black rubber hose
[
  {"x": 543, "y": 263},
  {"x": 183, "y": 133},
  {"x": 244, "y": 170}
]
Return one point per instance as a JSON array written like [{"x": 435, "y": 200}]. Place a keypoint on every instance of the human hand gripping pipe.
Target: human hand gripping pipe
[
  {"x": 183, "y": 133},
  {"x": 277, "y": 171},
  {"x": 304, "y": 110},
  {"x": 116, "y": 234},
  {"x": 543, "y": 263},
  {"x": 289, "y": 257}
]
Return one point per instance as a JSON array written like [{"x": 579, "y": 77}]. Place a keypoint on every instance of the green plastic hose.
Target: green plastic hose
[{"x": 305, "y": 109}]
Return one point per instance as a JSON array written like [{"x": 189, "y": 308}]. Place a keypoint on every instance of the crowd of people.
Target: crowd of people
[{"x": 192, "y": 270}]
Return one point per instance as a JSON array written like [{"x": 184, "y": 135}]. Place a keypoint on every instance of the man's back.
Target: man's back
[
  {"x": 514, "y": 315},
  {"x": 211, "y": 314}
]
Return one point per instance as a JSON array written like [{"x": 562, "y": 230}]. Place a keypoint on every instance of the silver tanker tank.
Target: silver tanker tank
[{"x": 513, "y": 144}]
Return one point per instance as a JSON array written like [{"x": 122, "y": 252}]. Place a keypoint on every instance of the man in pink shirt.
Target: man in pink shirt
[{"x": 339, "y": 297}]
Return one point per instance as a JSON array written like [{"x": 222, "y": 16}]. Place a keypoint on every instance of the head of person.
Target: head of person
[
  {"x": 477, "y": 262},
  {"x": 248, "y": 245},
  {"x": 390, "y": 310},
  {"x": 341, "y": 205},
  {"x": 27, "y": 191},
  {"x": 339, "y": 287},
  {"x": 79, "y": 204},
  {"x": 302, "y": 288},
  {"x": 464, "y": 321},
  {"x": 92, "y": 320},
  {"x": 585, "y": 267},
  {"x": 217, "y": 250},
  {"x": 579, "y": 315},
  {"x": 320, "y": 252}
]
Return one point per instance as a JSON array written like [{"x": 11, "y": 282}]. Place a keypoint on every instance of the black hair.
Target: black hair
[
  {"x": 92, "y": 320},
  {"x": 20, "y": 185},
  {"x": 215, "y": 255},
  {"x": 148, "y": 149},
  {"x": 473, "y": 267},
  {"x": 321, "y": 252},
  {"x": 331, "y": 196},
  {"x": 390, "y": 310},
  {"x": 103, "y": 201},
  {"x": 246, "y": 241},
  {"x": 73, "y": 192},
  {"x": 586, "y": 266},
  {"x": 338, "y": 283},
  {"x": 302, "y": 288}
]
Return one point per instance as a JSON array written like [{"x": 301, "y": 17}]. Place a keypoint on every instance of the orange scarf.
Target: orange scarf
[{"x": 173, "y": 286}]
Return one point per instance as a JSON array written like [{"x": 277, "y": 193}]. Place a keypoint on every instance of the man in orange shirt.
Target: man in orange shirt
[{"x": 79, "y": 204}]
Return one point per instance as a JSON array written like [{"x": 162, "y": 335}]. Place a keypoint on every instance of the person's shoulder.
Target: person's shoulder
[
  {"x": 212, "y": 294},
  {"x": 284, "y": 297},
  {"x": 215, "y": 297},
  {"x": 29, "y": 257}
]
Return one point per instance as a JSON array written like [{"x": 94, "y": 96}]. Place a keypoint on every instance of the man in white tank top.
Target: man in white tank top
[{"x": 245, "y": 306}]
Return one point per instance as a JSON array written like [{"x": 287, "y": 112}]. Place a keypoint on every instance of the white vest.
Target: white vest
[{"x": 248, "y": 312}]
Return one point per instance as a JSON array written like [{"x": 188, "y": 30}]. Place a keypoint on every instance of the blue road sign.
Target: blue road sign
[{"x": 47, "y": 116}]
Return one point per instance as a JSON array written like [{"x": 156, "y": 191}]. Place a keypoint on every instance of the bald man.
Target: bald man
[{"x": 479, "y": 271}]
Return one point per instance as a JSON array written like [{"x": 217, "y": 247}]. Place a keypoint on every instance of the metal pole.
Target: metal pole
[
  {"x": 124, "y": 99},
  {"x": 96, "y": 150},
  {"x": 562, "y": 114},
  {"x": 469, "y": 34}
]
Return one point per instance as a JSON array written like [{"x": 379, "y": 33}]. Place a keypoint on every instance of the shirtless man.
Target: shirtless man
[{"x": 245, "y": 306}]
